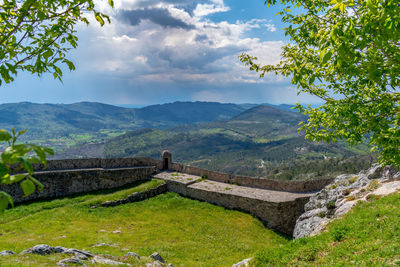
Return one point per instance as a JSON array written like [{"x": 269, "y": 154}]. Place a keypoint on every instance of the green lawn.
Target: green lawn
[
  {"x": 367, "y": 236},
  {"x": 185, "y": 232}
]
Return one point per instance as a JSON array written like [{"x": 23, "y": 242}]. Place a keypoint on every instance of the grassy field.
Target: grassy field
[
  {"x": 367, "y": 236},
  {"x": 185, "y": 232}
]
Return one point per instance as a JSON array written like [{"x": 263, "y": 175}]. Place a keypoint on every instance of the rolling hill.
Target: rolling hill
[
  {"x": 261, "y": 141},
  {"x": 63, "y": 125}
]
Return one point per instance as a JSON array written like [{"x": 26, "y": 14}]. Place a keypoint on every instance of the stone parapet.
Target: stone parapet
[{"x": 60, "y": 183}]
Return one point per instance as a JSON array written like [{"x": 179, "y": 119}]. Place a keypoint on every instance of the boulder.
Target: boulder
[
  {"x": 132, "y": 254},
  {"x": 41, "y": 249},
  {"x": 156, "y": 256},
  {"x": 70, "y": 262},
  {"x": 7, "y": 253}
]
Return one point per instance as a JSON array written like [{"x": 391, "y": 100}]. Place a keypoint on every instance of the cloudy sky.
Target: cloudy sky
[{"x": 169, "y": 50}]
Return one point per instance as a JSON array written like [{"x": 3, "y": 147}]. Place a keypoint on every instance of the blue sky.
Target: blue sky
[{"x": 169, "y": 50}]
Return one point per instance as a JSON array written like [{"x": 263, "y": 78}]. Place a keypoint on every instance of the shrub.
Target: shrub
[
  {"x": 339, "y": 233},
  {"x": 331, "y": 205}
]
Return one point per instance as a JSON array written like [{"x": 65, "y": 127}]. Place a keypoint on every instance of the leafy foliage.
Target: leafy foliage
[
  {"x": 36, "y": 34},
  {"x": 18, "y": 157},
  {"x": 347, "y": 53}
]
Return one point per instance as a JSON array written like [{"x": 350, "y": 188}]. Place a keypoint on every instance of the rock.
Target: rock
[
  {"x": 7, "y": 253},
  {"x": 116, "y": 232},
  {"x": 60, "y": 250},
  {"x": 243, "y": 263},
  {"x": 69, "y": 262},
  {"x": 155, "y": 264},
  {"x": 81, "y": 254},
  {"x": 156, "y": 256},
  {"x": 342, "y": 194},
  {"x": 105, "y": 245},
  {"x": 170, "y": 265},
  {"x": 103, "y": 260},
  {"x": 132, "y": 254},
  {"x": 346, "y": 207},
  {"x": 387, "y": 188},
  {"x": 374, "y": 171},
  {"x": 41, "y": 249}
]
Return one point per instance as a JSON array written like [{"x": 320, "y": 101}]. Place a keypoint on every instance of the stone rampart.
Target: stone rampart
[
  {"x": 60, "y": 183},
  {"x": 211, "y": 175},
  {"x": 287, "y": 186},
  {"x": 91, "y": 163}
]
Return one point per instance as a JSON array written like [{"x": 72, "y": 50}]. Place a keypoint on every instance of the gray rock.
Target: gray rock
[
  {"x": 41, "y": 249},
  {"x": 156, "y": 256},
  {"x": 105, "y": 245},
  {"x": 155, "y": 264},
  {"x": 60, "y": 249},
  {"x": 132, "y": 254},
  {"x": 80, "y": 253},
  {"x": 374, "y": 172},
  {"x": 7, "y": 253},
  {"x": 341, "y": 195},
  {"x": 243, "y": 263},
  {"x": 102, "y": 260},
  {"x": 69, "y": 262}
]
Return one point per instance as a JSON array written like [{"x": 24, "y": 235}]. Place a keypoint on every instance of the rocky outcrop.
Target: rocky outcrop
[{"x": 342, "y": 194}]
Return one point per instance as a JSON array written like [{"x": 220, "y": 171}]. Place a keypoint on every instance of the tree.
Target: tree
[
  {"x": 347, "y": 53},
  {"x": 36, "y": 34},
  {"x": 34, "y": 37}
]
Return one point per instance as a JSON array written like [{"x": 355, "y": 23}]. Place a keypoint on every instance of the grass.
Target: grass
[
  {"x": 367, "y": 236},
  {"x": 185, "y": 232}
]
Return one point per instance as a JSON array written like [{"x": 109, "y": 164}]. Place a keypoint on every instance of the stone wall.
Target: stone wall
[
  {"x": 60, "y": 183},
  {"x": 288, "y": 186},
  {"x": 280, "y": 216},
  {"x": 71, "y": 164},
  {"x": 211, "y": 175}
]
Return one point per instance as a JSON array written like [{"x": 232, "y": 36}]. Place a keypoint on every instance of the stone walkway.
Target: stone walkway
[{"x": 261, "y": 194}]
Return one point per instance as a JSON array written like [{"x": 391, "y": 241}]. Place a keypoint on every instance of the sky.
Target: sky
[{"x": 170, "y": 50}]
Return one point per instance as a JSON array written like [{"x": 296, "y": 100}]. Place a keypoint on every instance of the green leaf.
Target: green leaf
[
  {"x": 111, "y": 3},
  {"x": 16, "y": 178},
  {"x": 47, "y": 54},
  {"x": 28, "y": 187},
  {"x": 5, "y": 136},
  {"x": 21, "y": 132},
  {"x": 99, "y": 19},
  {"x": 8, "y": 197},
  {"x": 39, "y": 185},
  {"x": 3, "y": 204}
]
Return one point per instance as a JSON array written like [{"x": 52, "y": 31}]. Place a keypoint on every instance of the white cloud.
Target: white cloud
[
  {"x": 205, "y": 53},
  {"x": 216, "y": 6}
]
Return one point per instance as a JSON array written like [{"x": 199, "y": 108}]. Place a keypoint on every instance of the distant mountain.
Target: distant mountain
[
  {"x": 60, "y": 120},
  {"x": 189, "y": 112},
  {"x": 261, "y": 141}
]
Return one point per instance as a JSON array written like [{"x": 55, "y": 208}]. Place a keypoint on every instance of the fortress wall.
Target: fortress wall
[
  {"x": 211, "y": 175},
  {"x": 61, "y": 183},
  {"x": 91, "y": 163},
  {"x": 279, "y": 216},
  {"x": 289, "y": 186}
]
